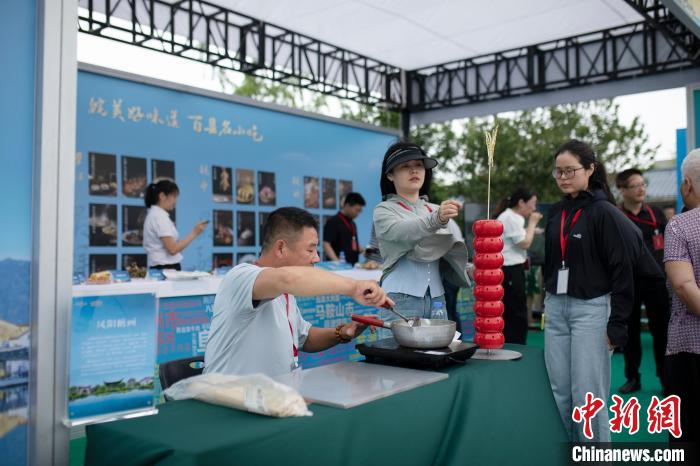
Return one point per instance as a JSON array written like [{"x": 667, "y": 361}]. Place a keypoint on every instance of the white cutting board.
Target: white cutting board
[{"x": 347, "y": 384}]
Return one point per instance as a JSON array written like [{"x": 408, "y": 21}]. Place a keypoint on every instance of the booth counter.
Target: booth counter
[
  {"x": 198, "y": 287},
  {"x": 122, "y": 332},
  {"x": 476, "y": 416}
]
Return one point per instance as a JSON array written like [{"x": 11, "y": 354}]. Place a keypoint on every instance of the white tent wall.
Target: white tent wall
[{"x": 54, "y": 159}]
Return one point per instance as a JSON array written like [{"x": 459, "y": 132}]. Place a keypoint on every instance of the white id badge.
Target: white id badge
[{"x": 562, "y": 281}]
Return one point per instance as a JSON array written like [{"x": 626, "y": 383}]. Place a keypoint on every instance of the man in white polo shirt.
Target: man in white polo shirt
[{"x": 257, "y": 326}]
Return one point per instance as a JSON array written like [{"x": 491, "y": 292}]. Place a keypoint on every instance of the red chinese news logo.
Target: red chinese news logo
[
  {"x": 662, "y": 415},
  {"x": 587, "y": 412},
  {"x": 665, "y": 415},
  {"x": 625, "y": 415}
]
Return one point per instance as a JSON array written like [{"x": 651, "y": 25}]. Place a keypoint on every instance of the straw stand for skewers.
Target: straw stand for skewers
[{"x": 488, "y": 278}]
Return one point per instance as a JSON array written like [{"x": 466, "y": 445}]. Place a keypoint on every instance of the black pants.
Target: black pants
[
  {"x": 682, "y": 374},
  {"x": 654, "y": 295},
  {"x": 169, "y": 266},
  {"x": 451, "y": 292},
  {"x": 515, "y": 302}
]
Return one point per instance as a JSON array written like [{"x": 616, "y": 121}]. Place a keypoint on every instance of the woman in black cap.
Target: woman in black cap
[{"x": 419, "y": 241}]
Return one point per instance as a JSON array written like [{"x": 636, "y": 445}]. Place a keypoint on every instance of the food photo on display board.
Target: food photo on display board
[
  {"x": 135, "y": 264},
  {"x": 134, "y": 176},
  {"x": 267, "y": 191},
  {"x": 311, "y": 192},
  {"x": 222, "y": 259},
  {"x": 262, "y": 219},
  {"x": 162, "y": 170},
  {"x": 245, "y": 189},
  {"x": 245, "y": 258},
  {"x": 329, "y": 194},
  {"x": 222, "y": 184},
  {"x": 102, "y": 262},
  {"x": 102, "y": 175},
  {"x": 246, "y": 228},
  {"x": 103, "y": 225},
  {"x": 132, "y": 225},
  {"x": 223, "y": 228},
  {"x": 344, "y": 188}
]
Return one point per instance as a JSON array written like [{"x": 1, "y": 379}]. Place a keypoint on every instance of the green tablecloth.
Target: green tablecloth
[{"x": 486, "y": 413}]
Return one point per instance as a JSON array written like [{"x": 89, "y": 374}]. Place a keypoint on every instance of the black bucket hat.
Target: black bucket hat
[{"x": 407, "y": 154}]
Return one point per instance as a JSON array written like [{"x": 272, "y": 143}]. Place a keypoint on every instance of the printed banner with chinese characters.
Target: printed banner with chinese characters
[
  {"x": 233, "y": 163},
  {"x": 183, "y": 326},
  {"x": 112, "y": 354}
]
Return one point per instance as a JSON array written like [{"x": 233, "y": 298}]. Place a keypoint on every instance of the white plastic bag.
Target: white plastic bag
[{"x": 256, "y": 393}]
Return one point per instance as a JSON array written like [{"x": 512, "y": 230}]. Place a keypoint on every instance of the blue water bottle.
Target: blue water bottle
[
  {"x": 342, "y": 257},
  {"x": 438, "y": 312}
]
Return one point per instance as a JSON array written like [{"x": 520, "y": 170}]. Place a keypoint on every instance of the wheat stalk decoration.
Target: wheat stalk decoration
[{"x": 490, "y": 149}]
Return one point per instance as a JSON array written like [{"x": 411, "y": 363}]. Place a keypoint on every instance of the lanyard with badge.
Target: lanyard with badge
[
  {"x": 353, "y": 230},
  {"x": 295, "y": 350},
  {"x": 407, "y": 208},
  {"x": 657, "y": 239},
  {"x": 563, "y": 275}
]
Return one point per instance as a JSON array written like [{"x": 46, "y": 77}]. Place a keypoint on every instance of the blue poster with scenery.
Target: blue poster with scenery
[
  {"x": 113, "y": 354},
  {"x": 17, "y": 93}
]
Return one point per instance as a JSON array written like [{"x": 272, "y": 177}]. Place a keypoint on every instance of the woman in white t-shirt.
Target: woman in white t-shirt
[
  {"x": 512, "y": 212},
  {"x": 160, "y": 237}
]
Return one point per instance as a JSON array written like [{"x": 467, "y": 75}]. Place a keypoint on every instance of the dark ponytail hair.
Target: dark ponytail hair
[
  {"x": 387, "y": 186},
  {"x": 585, "y": 154},
  {"x": 511, "y": 201},
  {"x": 153, "y": 191}
]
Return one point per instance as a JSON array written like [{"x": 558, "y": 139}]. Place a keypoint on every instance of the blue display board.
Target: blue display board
[
  {"x": 183, "y": 326},
  {"x": 113, "y": 354},
  {"x": 233, "y": 163},
  {"x": 17, "y": 84}
]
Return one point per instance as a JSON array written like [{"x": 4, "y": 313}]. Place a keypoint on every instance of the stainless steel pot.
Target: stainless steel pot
[{"x": 425, "y": 334}]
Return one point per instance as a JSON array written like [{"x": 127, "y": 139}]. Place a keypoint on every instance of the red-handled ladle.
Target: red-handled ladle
[{"x": 370, "y": 321}]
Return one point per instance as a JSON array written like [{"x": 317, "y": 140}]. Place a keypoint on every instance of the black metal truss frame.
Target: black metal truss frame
[
  {"x": 658, "y": 16},
  {"x": 208, "y": 33},
  {"x": 657, "y": 45}
]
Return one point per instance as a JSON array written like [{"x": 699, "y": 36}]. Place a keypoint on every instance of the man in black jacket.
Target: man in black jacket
[
  {"x": 340, "y": 231},
  {"x": 651, "y": 292}
]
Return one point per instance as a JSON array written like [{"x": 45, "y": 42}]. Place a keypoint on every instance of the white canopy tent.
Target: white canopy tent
[
  {"x": 399, "y": 52},
  {"x": 412, "y": 34}
]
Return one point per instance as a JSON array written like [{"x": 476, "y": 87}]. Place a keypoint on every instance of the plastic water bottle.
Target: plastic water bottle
[
  {"x": 341, "y": 257},
  {"x": 438, "y": 312}
]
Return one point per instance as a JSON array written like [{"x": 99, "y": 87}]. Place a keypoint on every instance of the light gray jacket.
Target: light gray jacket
[{"x": 417, "y": 233}]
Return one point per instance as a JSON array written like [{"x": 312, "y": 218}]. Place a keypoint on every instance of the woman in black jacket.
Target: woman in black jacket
[{"x": 591, "y": 250}]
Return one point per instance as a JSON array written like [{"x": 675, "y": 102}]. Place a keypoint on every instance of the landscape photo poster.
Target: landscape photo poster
[{"x": 112, "y": 354}]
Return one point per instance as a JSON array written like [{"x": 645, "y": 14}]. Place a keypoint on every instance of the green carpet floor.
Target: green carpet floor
[{"x": 650, "y": 386}]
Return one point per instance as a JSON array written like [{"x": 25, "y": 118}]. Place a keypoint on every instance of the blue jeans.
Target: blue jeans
[
  {"x": 577, "y": 357},
  {"x": 410, "y": 306}
]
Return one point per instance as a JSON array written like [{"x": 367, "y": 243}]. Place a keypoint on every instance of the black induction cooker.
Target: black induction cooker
[{"x": 389, "y": 352}]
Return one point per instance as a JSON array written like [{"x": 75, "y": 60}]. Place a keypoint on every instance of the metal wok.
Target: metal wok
[{"x": 426, "y": 334}]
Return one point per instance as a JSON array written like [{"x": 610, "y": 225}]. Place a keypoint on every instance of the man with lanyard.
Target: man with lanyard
[
  {"x": 257, "y": 326},
  {"x": 651, "y": 292},
  {"x": 340, "y": 231}
]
